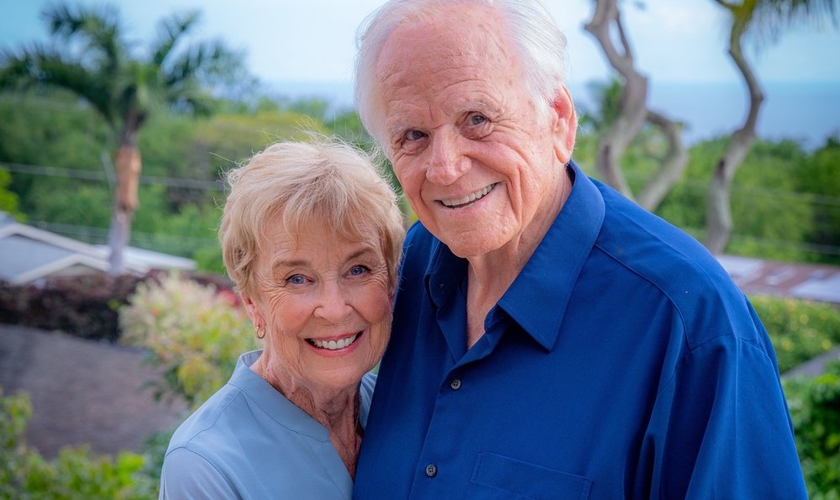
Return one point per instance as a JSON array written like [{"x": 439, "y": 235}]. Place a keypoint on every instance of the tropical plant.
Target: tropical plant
[
  {"x": 761, "y": 21},
  {"x": 91, "y": 57}
]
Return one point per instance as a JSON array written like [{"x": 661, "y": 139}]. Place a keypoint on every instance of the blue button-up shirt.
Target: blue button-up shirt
[{"x": 621, "y": 363}]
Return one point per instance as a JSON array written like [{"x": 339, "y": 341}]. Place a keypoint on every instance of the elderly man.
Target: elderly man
[{"x": 551, "y": 339}]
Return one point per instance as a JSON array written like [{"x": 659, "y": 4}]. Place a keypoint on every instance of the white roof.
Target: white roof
[{"x": 28, "y": 254}]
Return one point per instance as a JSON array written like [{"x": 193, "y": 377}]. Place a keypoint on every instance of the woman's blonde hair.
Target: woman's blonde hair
[{"x": 325, "y": 182}]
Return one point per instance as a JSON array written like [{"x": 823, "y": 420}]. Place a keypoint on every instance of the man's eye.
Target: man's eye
[
  {"x": 414, "y": 135},
  {"x": 476, "y": 119}
]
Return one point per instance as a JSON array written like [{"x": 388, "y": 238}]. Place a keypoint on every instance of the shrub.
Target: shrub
[
  {"x": 799, "y": 329},
  {"x": 84, "y": 306},
  {"x": 815, "y": 410},
  {"x": 193, "y": 331},
  {"x": 75, "y": 473}
]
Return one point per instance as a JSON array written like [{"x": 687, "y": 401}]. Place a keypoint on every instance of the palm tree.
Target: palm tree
[
  {"x": 91, "y": 57},
  {"x": 762, "y": 20}
]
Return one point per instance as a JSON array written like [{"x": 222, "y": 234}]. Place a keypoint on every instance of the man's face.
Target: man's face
[{"x": 478, "y": 162}]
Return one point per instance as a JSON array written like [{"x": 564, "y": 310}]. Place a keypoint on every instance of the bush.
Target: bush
[
  {"x": 194, "y": 332},
  {"x": 84, "y": 306},
  {"x": 815, "y": 409},
  {"x": 799, "y": 329},
  {"x": 76, "y": 473}
]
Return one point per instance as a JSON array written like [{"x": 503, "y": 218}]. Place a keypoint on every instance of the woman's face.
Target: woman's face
[{"x": 325, "y": 303}]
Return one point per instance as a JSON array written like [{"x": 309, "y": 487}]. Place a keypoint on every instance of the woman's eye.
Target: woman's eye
[
  {"x": 358, "y": 270},
  {"x": 296, "y": 279}
]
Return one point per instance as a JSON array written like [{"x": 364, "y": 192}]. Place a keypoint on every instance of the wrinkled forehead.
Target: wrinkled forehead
[{"x": 459, "y": 34}]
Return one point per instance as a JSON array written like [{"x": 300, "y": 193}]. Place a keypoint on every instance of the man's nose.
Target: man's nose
[{"x": 446, "y": 163}]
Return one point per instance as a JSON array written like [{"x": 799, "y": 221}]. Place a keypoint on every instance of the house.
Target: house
[
  {"x": 817, "y": 282},
  {"x": 32, "y": 255}
]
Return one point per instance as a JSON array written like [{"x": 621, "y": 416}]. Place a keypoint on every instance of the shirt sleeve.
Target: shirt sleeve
[
  {"x": 186, "y": 475},
  {"x": 721, "y": 427}
]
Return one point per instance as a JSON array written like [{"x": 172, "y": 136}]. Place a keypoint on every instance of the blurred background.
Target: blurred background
[{"x": 118, "y": 119}]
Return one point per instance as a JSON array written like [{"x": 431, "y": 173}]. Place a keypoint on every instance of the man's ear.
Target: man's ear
[{"x": 564, "y": 126}]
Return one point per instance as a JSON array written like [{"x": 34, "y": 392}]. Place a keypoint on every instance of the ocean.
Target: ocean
[{"x": 805, "y": 112}]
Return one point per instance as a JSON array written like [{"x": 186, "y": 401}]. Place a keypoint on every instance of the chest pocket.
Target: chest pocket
[{"x": 497, "y": 477}]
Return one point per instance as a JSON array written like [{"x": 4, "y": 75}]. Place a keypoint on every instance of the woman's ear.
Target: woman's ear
[
  {"x": 564, "y": 125},
  {"x": 253, "y": 311}
]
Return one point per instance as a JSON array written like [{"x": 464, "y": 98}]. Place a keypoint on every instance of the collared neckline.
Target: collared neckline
[{"x": 538, "y": 297}]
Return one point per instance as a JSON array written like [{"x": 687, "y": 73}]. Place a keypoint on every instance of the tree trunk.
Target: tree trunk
[
  {"x": 633, "y": 113},
  {"x": 672, "y": 166},
  {"x": 718, "y": 211},
  {"x": 633, "y": 108},
  {"x": 128, "y": 166}
]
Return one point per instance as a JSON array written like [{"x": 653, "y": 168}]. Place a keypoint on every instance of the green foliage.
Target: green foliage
[
  {"x": 193, "y": 332},
  {"x": 50, "y": 128},
  {"x": 9, "y": 201},
  {"x": 225, "y": 140},
  {"x": 771, "y": 217},
  {"x": 348, "y": 126},
  {"x": 607, "y": 109},
  {"x": 55, "y": 132},
  {"x": 799, "y": 329},
  {"x": 184, "y": 230},
  {"x": 819, "y": 175},
  {"x": 90, "y": 207},
  {"x": 75, "y": 473},
  {"x": 768, "y": 217},
  {"x": 815, "y": 410}
]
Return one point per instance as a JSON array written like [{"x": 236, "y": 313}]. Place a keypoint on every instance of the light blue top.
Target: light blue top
[{"x": 249, "y": 442}]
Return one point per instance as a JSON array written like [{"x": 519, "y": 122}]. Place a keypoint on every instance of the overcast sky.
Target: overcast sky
[{"x": 313, "y": 40}]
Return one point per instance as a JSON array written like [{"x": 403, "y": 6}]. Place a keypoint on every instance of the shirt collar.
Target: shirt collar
[{"x": 538, "y": 297}]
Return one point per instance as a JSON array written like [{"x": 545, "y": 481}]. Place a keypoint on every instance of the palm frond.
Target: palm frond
[
  {"x": 90, "y": 34},
  {"x": 765, "y": 21},
  {"x": 170, "y": 32}
]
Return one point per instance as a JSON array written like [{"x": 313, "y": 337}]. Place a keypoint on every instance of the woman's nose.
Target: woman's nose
[{"x": 333, "y": 302}]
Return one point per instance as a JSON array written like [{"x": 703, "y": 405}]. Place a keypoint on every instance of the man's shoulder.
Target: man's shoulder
[{"x": 654, "y": 252}]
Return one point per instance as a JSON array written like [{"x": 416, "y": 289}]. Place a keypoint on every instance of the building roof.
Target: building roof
[
  {"x": 30, "y": 255},
  {"x": 784, "y": 279}
]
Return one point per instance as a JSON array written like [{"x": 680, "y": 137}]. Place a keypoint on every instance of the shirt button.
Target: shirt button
[
  {"x": 455, "y": 384},
  {"x": 431, "y": 470}
]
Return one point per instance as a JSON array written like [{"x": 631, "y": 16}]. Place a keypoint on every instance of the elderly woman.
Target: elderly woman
[{"x": 311, "y": 235}]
